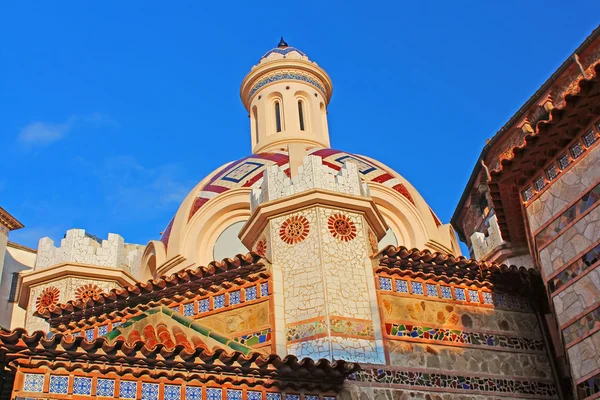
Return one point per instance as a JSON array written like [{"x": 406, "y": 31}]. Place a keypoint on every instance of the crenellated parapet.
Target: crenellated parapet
[
  {"x": 312, "y": 174},
  {"x": 79, "y": 247}
]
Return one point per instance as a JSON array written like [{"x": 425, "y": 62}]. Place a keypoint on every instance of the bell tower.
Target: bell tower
[{"x": 286, "y": 96}]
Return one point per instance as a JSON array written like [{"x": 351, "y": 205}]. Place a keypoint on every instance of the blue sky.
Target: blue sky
[{"x": 112, "y": 111}]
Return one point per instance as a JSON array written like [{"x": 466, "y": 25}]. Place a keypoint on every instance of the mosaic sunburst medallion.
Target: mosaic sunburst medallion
[
  {"x": 47, "y": 299},
  {"x": 341, "y": 227},
  {"x": 88, "y": 291},
  {"x": 261, "y": 247},
  {"x": 294, "y": 229}
]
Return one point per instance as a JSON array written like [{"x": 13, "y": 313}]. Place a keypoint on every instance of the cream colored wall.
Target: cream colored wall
[{"x": 16, "y": 260}]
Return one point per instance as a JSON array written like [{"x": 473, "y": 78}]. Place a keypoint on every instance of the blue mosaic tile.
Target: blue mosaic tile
[
  {"x": 193, "y": 393},
  {"x": 149, "y": 391},
  {"x": 105, "y": 387},
  {"x": 473, "y": 296},
  {"x": 292, "y": 397},
  {"x": 219, "y": 301},
  {"x": 102, "y": 330},
  {"x": 240, "y": 172},
  {"x": 273, "y": 396},
  {"x": 460, "y": 294},
  {"x": 214, "y": 394},
  {"x": 128, "y": 390},
  {"x": 59, "y": 384},
  {"x": 328, "y": 398},
  {"x": 385, "y": 283},
  {"x": 253, "y": 395},
  {"x": 33, "y": 383},
  {"x": 76, "y": 334},
  {"x": 499, "y": 299},
  {"x": 446, "y": 292},
  {"x": 176, "y": 308},
  {"x": 204, "y": 305},
  {"x": 264, "y": 289},
  {"x": 487, "y": 297},
  {"x": 251, "y": 293},
  {"x": 234, "y": 394},
  {"x": 417, "y": 288},
  {"x": 117, "y": 324},
  {"x": 172, "y": 392},
  {"x": 401, "y": 286},
  {"x": 89, "y": 334},
  {"x": 311, "y": 397},
  {"x": 82, "y": 385},
  {"x": 188, "y": 309},
  {"x": 235, "y": 298},
  {"x": 432, "y": 290}
]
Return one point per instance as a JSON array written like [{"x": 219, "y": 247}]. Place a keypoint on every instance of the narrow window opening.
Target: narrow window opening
[
  {"x": 255, "y": 115},
  {"x": 301, "y": 115},
  {"x": 12, "y": 295},
  {"x": 277, "y": 117}
]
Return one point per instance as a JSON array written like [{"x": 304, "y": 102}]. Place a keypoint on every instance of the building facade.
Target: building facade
[
  {"x": 533, "y": 199},
  {"x": 337, "y": 281}
]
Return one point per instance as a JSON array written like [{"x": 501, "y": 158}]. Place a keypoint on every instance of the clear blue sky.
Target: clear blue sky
[{"x": 110, "y": 112}]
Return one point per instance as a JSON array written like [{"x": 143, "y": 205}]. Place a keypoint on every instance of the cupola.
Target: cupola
[{"x": 286, "y": 95}]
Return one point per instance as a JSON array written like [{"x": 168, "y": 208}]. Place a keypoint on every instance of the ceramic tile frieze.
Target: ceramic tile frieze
[
  {"x": 582, "y": 327},
  {"x": 306, "y": 330},
  {"x": 450, "y": 381},
  {"x": 445, "y": 335},
  {"x": 255, "y": 338},
  {"x": 575, "y": 269}
]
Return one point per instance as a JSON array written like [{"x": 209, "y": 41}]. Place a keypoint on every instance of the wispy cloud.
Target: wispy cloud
[{"x": 43, "y": 133}]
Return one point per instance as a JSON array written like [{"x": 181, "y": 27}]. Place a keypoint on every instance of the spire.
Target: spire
[{"x": 282, "y": 43}]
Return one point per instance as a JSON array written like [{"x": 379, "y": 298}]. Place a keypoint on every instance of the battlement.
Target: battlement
[
  {"x": 312, "y": 174},
  {"x": 79, "y": 247}
]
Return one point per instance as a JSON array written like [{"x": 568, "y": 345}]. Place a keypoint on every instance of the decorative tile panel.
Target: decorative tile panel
[
  {"x": 401, "y": 286},
  {"x": 589, "y": 387},
  {"x": 363, "y": 166},
  {"x": 551, "y": 172},
  {"x": 33, "y": 383},
  {"x": 487, "y": 297},
  {"x": 352, "y": 327},
  {"x": 234, "y": 394},
  {"x": 105, "y": 387},
  {"x": 432, "y": 290},
  {"x": 149, "y": 391},
  {"x": 385, "y": 283},
  {"x": 235, "y": 298},
  {"x": 292, "y": 397},
  {"x": 446, "y": 292},
  {"x": 582, "y": 327},
  {"x": 195, "y": 393},
  {"x": 539, "y": 183},
  {"x": 589, "y": 138},
  {"x": 528, "y": 193},
  {"x": 172, "y": 392},
  {"x": 89, "y": 334},
  {"x": 460, "y": 294},
  {"x": 576, "y": 150},
  {"x": 253, "y": 395},
  {"x": 251, "y": 293},
  {"x": 242, "y": 171},
  {"x": 473, "y": 296},
  {"x": 59, "y": 384},
  {"x": 204, "y": 305},
  {"x": 82, "y": 385},
  {"x": 417, "y": 288},
  {"x": 102, "y": 330},
  {"x": 252, "y": 339},
  {"x": 219, "y": 301},
  {"x": 564, "y": 161},
  {"x": 213, "y": 394},
  {"x": 575, "y": 269},
  {"x": 127, "y": 390},
  {"x": 273, "y": 396},
  {"x": 188, "y": 309},
  {"x": 264, "y": 289},
  {"x": 304, "y": 330},
  {"x": 309, "y": 397}
]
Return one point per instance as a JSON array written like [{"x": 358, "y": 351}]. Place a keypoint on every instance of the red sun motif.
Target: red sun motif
[
  {"x": 48, "y": 299},
  {"x": 89, "y": 291},
  {"x": 341, "y": 227},
  {"x": 294, "y": 229},
  {"x": 261, "y": 247}
]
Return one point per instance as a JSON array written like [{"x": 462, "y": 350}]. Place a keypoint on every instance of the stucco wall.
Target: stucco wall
[{"x": 15, "y": 260}]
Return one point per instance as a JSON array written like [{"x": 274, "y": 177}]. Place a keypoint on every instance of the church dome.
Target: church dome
[{"x": 282, "y": 51}]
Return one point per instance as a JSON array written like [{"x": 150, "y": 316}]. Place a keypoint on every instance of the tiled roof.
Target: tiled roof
[{"x": 145, "y": 292}]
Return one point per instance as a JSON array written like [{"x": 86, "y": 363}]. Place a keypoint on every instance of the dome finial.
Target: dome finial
[{"x": 282, "y": 43}]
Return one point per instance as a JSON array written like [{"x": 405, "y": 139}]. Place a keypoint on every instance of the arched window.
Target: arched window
[
  {"x": 255, "y": 116},
  {"x": 301, "y": 114},
  {"x": 277, "y": 117}
]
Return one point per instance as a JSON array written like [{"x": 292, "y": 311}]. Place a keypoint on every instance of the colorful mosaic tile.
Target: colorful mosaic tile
[
  {"x": 570, "y": 215},
  {"x": 117, "y": 324},
  {"x": 528, "y": 193},
  {"x": 128, "y": 390},
  {"x": 460, "y": 294},
  {"x": 487, "y": 297},
  {"x": 251, "y": 293},
  {"x": 551, "y": 172},
  {"x": 446, "y": 292},
  {"x": 564, "y": 161},
  {"x": 294, "y": 229},
  {"x": 253, "y": 395},
  {"x": 235, "y": 298},
  {"x": 188, "y": 309},
  {"x": 341, "y": 227},
  {"x": 311, "y": 397},
  {"x": 575, "y": 269},
  {"x": 149, "y": 391},
  {"x": 417, "y": 287},
  {"x": 273, "y": 396},
  {"x": 385, "y": 283},
  {"x": 204, "y": 305},
  {"x": 401, "y": 286},
  {"x": 234, "y": 394},
  {"x": 432, "y": 290},
  {"x": 59, "y": 384},
  {"x": 473, "y": 296},
  {"x": 213, "y": 394},
  {"x": 252, "y": 339},
  {"x": 82, "y": 385},
  {"x": 292, "y": 397},
  {"x": 176, "y": 308},
  {"x": 582, "y": 327},
  {"x": 89, "y": 334},
  {"x": 432, "y": 380},
  {"x": 242, "y": 171},
  {"x": 286, "y": 75},
  {"x": 76, "y": 334},
  {"x": 219, "y": 301},
  {"x": 589, "y": 138},
  {"x": 105, "y": 387},
  {"x": 194, "y": 393},
  {"x": 102, "y": 330},
  {"x": 305, "y": 330},
  {"x": 33, "y": 383},
  {"x": 264, "y": 289},
  {"x": 328, "y": 398},
  {"x": 459, "y": 336},
  {"x": 576, "y": 150},
  {"x": 352, "y": 327},
  {"x": 172, "y": 392},
  {"x": 589, "y": 387},
  {"x": 539, "y": 183}
]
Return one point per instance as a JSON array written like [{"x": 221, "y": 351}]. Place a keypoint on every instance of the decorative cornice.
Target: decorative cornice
[{"x": 9, "y": 221}]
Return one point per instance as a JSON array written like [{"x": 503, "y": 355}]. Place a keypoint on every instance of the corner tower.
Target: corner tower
[{"x": 286, "y": 96}]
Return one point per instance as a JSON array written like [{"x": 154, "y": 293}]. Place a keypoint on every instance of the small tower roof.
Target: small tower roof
[{"x": 282, "y": 48}]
